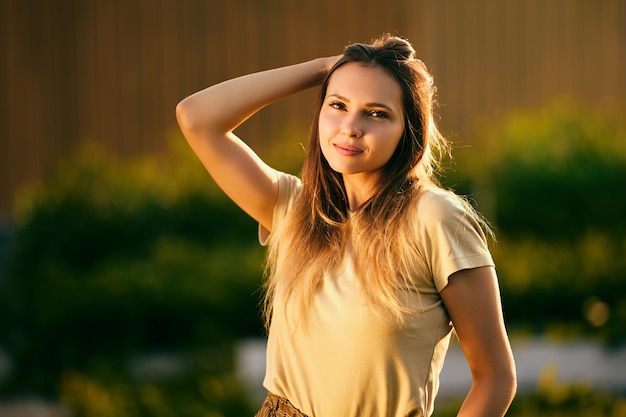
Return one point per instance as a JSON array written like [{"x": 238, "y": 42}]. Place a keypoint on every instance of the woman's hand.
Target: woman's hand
[{"x": 331, "y": 61}]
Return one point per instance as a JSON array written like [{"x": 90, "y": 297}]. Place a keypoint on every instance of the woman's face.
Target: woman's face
[{"x": 361, "y": 120}]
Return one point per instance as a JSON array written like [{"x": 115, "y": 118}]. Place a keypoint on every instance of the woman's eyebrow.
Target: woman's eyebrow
[{"x": 373, "y": 104}]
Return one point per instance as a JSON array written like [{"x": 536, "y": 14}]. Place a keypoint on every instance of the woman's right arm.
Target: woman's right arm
[{"x": 208, "y": 118}]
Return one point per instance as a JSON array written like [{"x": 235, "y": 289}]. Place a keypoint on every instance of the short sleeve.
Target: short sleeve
[
  {"x": 450, "y": 238},
  {"x": 289, "y": 187}
]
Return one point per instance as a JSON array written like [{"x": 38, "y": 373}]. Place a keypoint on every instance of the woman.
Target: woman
[{"x": 370, "y": 263}]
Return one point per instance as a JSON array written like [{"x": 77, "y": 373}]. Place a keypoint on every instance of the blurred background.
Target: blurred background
[{"x": 129, "y": 285}]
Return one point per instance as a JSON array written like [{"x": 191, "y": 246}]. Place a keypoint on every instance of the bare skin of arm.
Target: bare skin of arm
[
  {"x": 472, "y": 299},
  {"x": 208, "y": 118}
]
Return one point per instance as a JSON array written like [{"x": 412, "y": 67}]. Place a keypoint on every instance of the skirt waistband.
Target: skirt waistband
[{"x": 275, "y": 406}]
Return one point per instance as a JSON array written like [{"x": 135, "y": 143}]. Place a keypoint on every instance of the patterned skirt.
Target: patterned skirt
[{"x": 275, "y": 406}]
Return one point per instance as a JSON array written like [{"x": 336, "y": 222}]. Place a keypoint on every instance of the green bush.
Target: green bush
[
  {"x": 549, "y": 181},
  {"x": 554, "y": 399},
  {"x": 199, "y": 394},
  {"x": 114, "y": 258},
  {"x": 556, "y": 173}
]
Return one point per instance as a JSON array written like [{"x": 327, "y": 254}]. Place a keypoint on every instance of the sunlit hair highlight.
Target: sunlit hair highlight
[{"x": 316, "y": 233}]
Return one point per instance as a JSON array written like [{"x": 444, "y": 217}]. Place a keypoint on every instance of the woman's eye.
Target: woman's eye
[
  {"x": 379, "y": 114},
  {"x": 337, "y": 105}
]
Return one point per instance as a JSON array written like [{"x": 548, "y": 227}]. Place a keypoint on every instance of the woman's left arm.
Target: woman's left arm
[{"x": 472, "y": 298}]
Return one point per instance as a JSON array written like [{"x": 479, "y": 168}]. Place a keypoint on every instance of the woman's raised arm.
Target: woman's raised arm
[{"x": 208, "y": 118}]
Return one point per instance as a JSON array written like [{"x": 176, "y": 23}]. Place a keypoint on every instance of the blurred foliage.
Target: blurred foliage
[
  {"x": 550, "y": 182},
  {"x": 113, "y": 258},
  {"x": 555, "y": 172},
  {"x": 201, "y": 394},
  {"x": 554, "y": 399}
]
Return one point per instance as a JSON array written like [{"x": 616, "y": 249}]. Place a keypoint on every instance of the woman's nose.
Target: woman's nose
[{"x": 351, "y": 128}]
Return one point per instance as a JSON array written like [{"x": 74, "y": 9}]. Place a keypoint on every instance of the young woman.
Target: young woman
[{"x": 370, "y": 263}]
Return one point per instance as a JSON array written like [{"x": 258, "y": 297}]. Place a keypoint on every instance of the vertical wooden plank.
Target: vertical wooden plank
[
  {"x": 32, "y": 93},
  {"x": 599, "y": 66},
  {"x": 8, "y": 170},
  {"x": 126, "y": 67},
  {"x": 64, "y": 110},
  {"x": 104, "y": 79},
  {"x": 90, "y": 93},
  {"x": 461, "y": 70},
  {"x": 410, "y": 23},
  {"x": 169, "y": 67},
  {"x": 508, "y": 40},
  {"x": 491, "y": 40}
]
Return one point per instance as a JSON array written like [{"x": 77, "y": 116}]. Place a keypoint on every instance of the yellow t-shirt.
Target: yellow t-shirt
[{"x": 349, "y": 361}]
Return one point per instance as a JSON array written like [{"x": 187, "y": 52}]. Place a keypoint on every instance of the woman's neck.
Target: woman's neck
[{"x": 359, "y": 189}]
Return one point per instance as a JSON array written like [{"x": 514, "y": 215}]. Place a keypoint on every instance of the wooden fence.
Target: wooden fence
[{"x": 112, "y": 71}]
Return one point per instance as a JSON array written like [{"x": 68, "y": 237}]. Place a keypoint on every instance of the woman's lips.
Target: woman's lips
[{"x": 347, "y": 150}]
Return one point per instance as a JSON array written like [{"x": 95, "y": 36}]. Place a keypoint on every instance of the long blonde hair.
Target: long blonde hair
[{"x": 315, "y": 234}]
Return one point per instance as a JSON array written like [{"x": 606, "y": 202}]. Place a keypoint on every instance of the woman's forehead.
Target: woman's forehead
[{"x": 365, "y": 84}]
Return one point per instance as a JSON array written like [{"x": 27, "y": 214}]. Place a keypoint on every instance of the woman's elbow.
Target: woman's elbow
[
  {"x": 506, "y": 379},
  {"x": 500, "y": 377},
  {"x": 183, "y": 115},
  {"x": 195, "y": 121}
]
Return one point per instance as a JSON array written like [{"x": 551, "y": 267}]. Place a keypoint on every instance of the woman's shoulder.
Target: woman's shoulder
[
  {"x": 437, "y": 209},
  {"x": 289, "y": 187},
  {"x": 288, "y": 184},
  {"x": 439, "y": 203}
]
